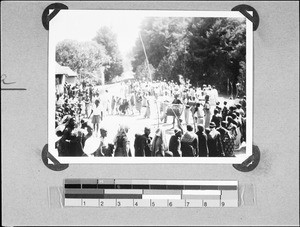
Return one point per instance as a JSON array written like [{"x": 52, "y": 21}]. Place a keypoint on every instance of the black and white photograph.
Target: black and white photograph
[{"x": 138, "y": 86}]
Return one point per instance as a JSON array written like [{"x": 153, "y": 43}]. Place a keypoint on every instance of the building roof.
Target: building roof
[{"x": 64, "y": 70}]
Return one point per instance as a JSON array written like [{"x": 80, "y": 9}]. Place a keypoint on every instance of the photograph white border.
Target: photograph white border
[{"x": 157, "y": 160}]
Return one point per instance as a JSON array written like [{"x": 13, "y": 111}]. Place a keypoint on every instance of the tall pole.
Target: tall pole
[
  {"x": 147, "y": 62},
  {"x": 227, "y": 86}
]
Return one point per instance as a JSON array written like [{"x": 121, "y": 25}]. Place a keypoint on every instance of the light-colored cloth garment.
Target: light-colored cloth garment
[
  {"x": 97, "y": 110},
  {"x": 207, "y": 115},
  {"x": 188, "y": 137},
  {"x": 159, "y": 145}
]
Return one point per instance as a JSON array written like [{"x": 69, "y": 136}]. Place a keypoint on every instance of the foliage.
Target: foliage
[
  {"x": 82, "y": 57},
  {"x": 142, "y": 71},
  {"x": 242, "y": 78},
  {"x": 204, "y": 50},
  {"x": 107, "y": 38}
]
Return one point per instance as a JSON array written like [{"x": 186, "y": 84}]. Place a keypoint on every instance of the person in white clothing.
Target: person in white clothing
[{"x": 96, "y": 111}]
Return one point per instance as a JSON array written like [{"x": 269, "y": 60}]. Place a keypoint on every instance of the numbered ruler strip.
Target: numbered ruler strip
[{"x": 149, "y": 193}]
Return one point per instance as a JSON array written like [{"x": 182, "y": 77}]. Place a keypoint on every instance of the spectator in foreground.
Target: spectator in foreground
[
  {"x": 103, "y": 149},
  {"x": 142, "y": 144},
  {"x": 214, "y": 142},
  {"x": 189, "y": 143},
  {"x": 175, "y": 143},
  {"x": 202, "y": 141},
  {"x": 122, "y": 143},
  {"x": 159, "y": 144}
]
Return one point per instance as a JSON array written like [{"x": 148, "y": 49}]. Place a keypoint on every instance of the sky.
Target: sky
[{"x": 83, "y": 25}]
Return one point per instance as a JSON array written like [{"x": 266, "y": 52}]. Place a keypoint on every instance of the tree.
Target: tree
[
  {"x": 142, "y": 71},
  {"x": 107, "y": 38},
  {"x": 203, "y": 50},
  {"x": 81, "y": 57},
  {"x": 164, "y": 40},
  {"x": 67, "y": 54},
  {"x": 154, "y": 35}
]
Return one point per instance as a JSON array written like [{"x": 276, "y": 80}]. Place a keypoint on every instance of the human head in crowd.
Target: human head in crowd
[
  {"x": 70, "y": 123},
  {"x": 178, "y": 132},
  {"x": 234, "y": 116},
  {"x": 232, "y": 128},
  {"x": 216, "y": 111},
  {"x": 212, "y": 125},
  {"x": 189, "y": 128},
  {"x": 66, "y": 110},
  {"x": 225, "y": 103},
  {"x": 224, "y": 124},
  {"x": 230, "y": 120},
  {"x": 59, "y": 130},
  {"x": 207, "y": 131},
  {"x": 83, "y": 123},
  {"x": 97, "y": 102},
  {"x": 147, "y": 131},
  {"x": 200, "y": 128},
  {"x": 103, "y": 132},
  {"x": 123, "y": 130},
  {"x": 206, "y": 97}
]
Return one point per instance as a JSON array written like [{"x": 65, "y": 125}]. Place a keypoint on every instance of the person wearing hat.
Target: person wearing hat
[
  {"x": 175, "y": 142},
  {"x": 202, "y": 141},
  {"x": 189, "y": 143},
  {"x": 142, "y": 144},
  {"x": 214, "y": 142}
]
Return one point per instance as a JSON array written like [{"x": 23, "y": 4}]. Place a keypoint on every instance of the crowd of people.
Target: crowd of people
[{"x": 202, "y": 125}]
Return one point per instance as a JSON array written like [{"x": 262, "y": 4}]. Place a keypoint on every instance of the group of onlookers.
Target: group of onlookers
[{"x": 216, "y": 129}]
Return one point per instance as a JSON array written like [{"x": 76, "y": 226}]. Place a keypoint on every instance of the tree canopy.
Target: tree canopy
[
  {"x": 82, "y": 57},
  {"x": 107, "y": 38},
  {"x": 203, "y": 50},
  {"x": 87, "y": 58}
]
